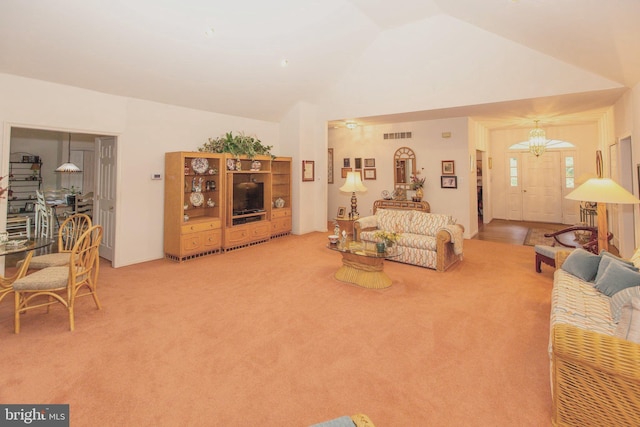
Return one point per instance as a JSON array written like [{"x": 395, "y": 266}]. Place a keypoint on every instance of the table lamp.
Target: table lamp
[
  {"x": 352, "y": 184},
  {"x": 602, "y": 191}
]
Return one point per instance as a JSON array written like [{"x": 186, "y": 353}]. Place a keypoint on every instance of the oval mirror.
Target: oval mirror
[{"x": 404, "y": 161}]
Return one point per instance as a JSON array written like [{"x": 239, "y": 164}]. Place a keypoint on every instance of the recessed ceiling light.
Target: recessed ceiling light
[
  {"x": 209, "y": 32},
  {"x": 284, "y": 63}
]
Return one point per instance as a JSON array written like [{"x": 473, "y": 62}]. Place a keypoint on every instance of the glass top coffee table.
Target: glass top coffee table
[{"x": 362, "y": 264}]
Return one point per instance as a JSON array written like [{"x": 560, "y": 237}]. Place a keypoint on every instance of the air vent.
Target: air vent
[{"x": 397, "y": 135}]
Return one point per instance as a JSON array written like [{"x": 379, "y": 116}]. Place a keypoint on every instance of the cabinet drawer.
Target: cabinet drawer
[
  {"x": 280, "y": 213},
  {"x": 212, "y": 239},
  {"x": 280, "y": 225},
  {"x": 201, "y": 226},
  {"x": 248, "y": 233},
  {"x": 192, "y": 243}
]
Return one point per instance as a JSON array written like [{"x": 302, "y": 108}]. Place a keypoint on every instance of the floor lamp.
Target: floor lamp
[
  {"x": 352, "y": 184},
  {"x": 602, "y": 191}
]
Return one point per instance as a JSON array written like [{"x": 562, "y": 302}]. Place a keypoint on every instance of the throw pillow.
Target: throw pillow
[
  {"x": 629, "y": 326},
  {"x": 582, "y": 264},
  {"x": 616, "y": 278},
  {"x": 605, "y": 260},
  {"x": 606, "y": 253},
  {"x": 621, "y": 298}
]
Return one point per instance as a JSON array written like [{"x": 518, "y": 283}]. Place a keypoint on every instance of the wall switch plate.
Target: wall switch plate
[{"x": 156, "y": 176}]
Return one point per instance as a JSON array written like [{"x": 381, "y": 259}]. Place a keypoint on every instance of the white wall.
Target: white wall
[
  {"x": 449, "y": 63},
  {"x": 145, "y": 131},
  {"x": 430, "y": 149}
]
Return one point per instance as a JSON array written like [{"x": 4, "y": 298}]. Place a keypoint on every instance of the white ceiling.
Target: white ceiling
[{"x": 161, "y": 50}]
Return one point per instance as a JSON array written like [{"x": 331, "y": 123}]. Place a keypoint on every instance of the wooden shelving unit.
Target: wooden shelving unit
[
  {"x": 214, "y": 223},
  {"x": 193, "y": 204}
]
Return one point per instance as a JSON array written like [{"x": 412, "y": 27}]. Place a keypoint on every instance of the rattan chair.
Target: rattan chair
[
  {"x": 6, "y": 283},
  {"x": 62, "y": 284},
  {"x": 70, "y": 230}
]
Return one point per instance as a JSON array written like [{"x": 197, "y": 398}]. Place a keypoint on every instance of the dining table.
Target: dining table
[{"x": 17, "y": 246}]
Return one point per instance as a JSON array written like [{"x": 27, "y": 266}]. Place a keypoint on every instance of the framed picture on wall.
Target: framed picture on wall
[
  {"x": 370, "y": 173},
  {"x": 448, "y": 182},
  {"x": 358, "y": 163},
  {"x": 344, "y": 172},
  {"x": 330, "y": 166},
  {"x": 308, "y": 170},
  {"x": 346, "y": 163},
  {"x": 369, "y": 163},
  {"x": 448, "y": 167}
]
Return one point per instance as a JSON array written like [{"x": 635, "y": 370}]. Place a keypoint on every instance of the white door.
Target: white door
[
  {"x": 105, "y": 197},
  {"x": 542, "y": 187}
]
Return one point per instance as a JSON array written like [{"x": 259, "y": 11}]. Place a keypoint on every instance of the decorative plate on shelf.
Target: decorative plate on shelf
[
  {"x": 196, "y": 199},
  {"x": 199, "y": 165}
]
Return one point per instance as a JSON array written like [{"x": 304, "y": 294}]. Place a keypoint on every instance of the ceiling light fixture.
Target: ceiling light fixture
[
  {"x": 537, "y": 141},
  {"x": 68, "y": 167},
  {"x": 284, "y": 63},
  {"x": 351, "y": 125}
]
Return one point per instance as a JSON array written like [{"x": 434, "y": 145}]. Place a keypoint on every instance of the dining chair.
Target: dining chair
[
  {"x": 6, "y": 283},
  {"x": 84, "y": 204},
  {"x": 70, "y": 230},
  {"x": 44, "y": 216},
  {"x": 62, "y": 284}
]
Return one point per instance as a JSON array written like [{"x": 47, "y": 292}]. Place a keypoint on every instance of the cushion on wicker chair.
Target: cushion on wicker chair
[
  {"x": 49, "y": 260},
  {"x": 49, "y": 278}
]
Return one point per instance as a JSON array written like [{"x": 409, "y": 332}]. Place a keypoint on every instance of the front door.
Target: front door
[{"x": 542, "y": 187}]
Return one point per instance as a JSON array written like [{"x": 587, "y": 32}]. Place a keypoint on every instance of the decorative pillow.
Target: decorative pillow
[
  {"x": 629, "y": 326},
  {"x": 582, "y": 264},
  {"x": 621, "y": 298},
  {"x": 615, "y": 278},
  {"x": 606, "y": 253},
  {"x": 605, "y": 260}
]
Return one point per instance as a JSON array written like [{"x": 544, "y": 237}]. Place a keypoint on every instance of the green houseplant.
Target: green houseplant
[{"x": 237, "y": 145}]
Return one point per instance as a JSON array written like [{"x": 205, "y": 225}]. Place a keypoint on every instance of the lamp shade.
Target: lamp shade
[
  {"x": 353, "y": 183},
  {"x": 602, "y": 190}
]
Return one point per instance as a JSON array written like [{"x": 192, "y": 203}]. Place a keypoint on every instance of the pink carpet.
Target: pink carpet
[{"x": 266, "y": 336}]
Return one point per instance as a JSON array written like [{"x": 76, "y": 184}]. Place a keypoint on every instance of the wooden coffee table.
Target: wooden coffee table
[{"x": 362, "y": 266}]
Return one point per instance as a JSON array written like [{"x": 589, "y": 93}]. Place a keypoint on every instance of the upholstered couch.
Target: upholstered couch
[
  {"x": 594, "y": 340},
  {"x": 426, "y": 239}
]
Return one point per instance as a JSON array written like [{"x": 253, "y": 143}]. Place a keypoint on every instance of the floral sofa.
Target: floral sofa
[
  {"x": 427, "y": 239},
  {"x": 594, "y": 342}
]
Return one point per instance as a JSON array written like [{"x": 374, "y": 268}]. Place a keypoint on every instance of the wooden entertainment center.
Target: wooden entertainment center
[{"x": 219, "y": 202}]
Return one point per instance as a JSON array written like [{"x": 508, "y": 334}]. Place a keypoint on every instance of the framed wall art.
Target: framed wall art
[
  {"x": 369, "y": 163},
  {"x": 346, "y": 163},
  {"x": 358, "y": 163},
  {"x": 330, "y": 166},
  {"x": 448, "y": 167},
  {"x": 448, "y": 182},
  {"x": 369, "y": 173},
  {"x": 344, "y": 172},
  {"x": 308, "y": 170}
]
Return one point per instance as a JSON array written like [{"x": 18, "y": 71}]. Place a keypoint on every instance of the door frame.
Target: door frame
[{"x": 5, "y": 150}]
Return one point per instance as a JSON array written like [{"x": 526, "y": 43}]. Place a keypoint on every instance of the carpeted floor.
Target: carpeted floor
[{"x": 266, "y": 336}]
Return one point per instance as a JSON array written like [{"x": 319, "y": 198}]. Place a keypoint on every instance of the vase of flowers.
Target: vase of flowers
[
  {"x": 389, "y": 238},
  {"x": 417, "y": 184}
]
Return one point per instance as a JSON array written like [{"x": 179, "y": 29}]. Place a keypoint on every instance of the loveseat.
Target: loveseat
[
  {"x": 426, "y": 239},
  {"x": 594, "y": 343}
]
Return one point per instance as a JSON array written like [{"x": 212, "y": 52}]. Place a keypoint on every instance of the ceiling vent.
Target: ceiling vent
[{"x": 397, "y": 135}]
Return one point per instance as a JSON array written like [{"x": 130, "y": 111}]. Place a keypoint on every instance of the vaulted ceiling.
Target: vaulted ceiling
[{"x": 227, "y": 56}]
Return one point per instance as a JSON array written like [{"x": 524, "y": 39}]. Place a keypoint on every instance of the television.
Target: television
[{"x": 248, "y": 197}]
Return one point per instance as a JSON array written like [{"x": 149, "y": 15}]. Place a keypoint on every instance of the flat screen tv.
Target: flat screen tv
[{"x": 248, "y": 197}]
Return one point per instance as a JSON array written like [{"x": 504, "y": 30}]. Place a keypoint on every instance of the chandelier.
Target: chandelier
[{"x": 537, "y": 141}]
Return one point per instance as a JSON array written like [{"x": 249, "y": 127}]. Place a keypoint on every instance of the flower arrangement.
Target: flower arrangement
[
  {"x": 417, "y": 182},
  {"x": 389, "y": 237}
]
